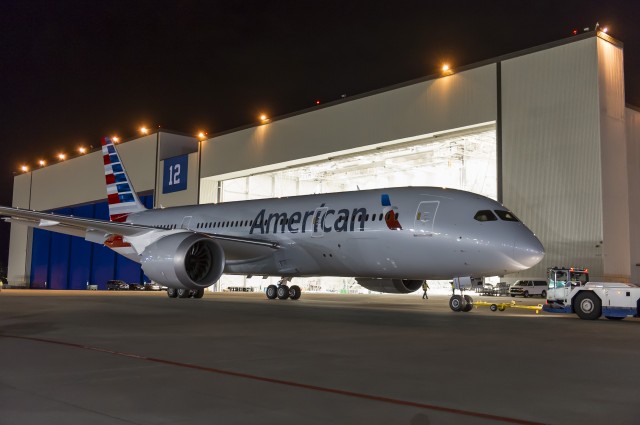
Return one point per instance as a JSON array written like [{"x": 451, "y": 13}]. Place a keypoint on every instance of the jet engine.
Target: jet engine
[
  {"x": 390, "y": 286},
  {"x": 184, "y": 260}
]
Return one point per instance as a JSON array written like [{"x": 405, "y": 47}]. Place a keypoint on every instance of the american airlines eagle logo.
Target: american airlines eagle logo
[{"x": 390, "y": 213}]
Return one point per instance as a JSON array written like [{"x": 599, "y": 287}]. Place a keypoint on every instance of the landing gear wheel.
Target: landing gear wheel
[
  {"x": 172, "y": 292},
  {"x": 183, "y": 293},
  {"x": 294, "y": 292},
  {"x": 456, "y": 303},
  {"x": 493, "y": 307},
  {"x": 272, "y": 292},
  {"x": 199, "y": 293},
  {"x": 588, "y": 306},
  {"x": 283, "y": 292},
  {"x": 468, "y": 304}
]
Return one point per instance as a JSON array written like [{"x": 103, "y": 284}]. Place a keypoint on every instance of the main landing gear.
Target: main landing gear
[
  {"x": 185, "y": 293},
  {"x": 282, "y": 291}
]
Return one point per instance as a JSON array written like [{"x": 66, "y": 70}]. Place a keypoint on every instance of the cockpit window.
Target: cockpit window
[
  {"x": 485, "y": 215},
  {"x": 506, "y": 215}
]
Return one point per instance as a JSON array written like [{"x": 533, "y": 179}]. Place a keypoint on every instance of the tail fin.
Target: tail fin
[{"x": 122, "y": 198}]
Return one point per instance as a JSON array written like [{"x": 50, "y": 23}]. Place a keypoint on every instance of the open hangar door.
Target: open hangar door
[{"x": 462, "y": 159}]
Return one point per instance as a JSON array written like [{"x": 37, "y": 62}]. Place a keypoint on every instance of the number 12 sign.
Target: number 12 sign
[{"x": 176, "y": 170}]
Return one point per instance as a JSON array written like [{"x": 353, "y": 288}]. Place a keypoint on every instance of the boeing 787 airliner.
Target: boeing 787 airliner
[{"x": 390, "y": 240}]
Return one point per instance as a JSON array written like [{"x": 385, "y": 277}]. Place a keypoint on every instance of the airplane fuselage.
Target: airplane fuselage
[{"x": 407, "y": 233}]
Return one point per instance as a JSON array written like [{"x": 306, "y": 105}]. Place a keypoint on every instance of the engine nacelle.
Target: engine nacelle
[
  {"x": 390, "y": 286},
  {"x": 184, "y": 260}
]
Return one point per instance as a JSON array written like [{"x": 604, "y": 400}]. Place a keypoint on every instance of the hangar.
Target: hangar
[{"x": 545, "y": 131}]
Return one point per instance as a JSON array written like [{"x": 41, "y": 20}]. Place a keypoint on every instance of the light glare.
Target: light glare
[{"x": 144, "y": 130}]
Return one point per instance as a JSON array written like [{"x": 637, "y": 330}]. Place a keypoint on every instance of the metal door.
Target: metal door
[{"x": 425, "y": 218}]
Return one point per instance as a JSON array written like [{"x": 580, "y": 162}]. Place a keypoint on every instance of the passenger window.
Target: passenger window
[
  {"x": 485, "y": 215},
  {"x": 506, "y": 215}
]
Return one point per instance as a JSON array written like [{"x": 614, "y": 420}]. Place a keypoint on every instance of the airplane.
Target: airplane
[{"x": 390, "y": 240}]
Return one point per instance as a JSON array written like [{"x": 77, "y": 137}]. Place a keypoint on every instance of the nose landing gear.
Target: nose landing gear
[{"x": 461, "y": 302}]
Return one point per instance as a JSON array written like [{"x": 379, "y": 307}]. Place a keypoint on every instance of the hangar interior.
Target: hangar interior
[
  {"x": 462, "y": 159},
  {"x": 545, "y": 131}
]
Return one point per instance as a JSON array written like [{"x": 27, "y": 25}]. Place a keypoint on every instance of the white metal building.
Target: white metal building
[{"x": 545, "y": 131}]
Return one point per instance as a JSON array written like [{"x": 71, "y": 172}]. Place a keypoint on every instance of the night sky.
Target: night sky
[{"x": 74, "y": 71}]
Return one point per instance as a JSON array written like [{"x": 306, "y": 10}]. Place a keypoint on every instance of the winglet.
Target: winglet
[{"x": 122, "y": 198}]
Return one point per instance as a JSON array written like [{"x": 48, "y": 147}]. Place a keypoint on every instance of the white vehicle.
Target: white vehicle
[
  {"x": 391, "y": 240},
  {"x": 528, "y": 288},
  {"x": 571, "y": 292}
]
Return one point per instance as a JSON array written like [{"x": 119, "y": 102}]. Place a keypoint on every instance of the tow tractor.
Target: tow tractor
[{"x": 571, "y": 292}]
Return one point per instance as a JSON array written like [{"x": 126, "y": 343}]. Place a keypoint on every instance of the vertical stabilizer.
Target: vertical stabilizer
[{"x": 122, "y": 198}]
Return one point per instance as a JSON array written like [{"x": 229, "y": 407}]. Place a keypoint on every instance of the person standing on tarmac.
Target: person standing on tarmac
[{"x": 425, "y": 287}]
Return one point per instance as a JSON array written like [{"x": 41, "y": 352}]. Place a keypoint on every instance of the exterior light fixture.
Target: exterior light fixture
[
  {"x": 605, "y": 30},
  {"x": 82, "y": 150},
  {"x": 115, "y": 139},
  {"x": 446, "y": 69},
  {"x": 144, "y": 130},
  {"x": 202, "y": 135},
  {"x": 42, "y": 162},
  {"x": 24, "y": 168},
  {"x": 264, "y": 118},
  {"x": 62, "y": 156}
]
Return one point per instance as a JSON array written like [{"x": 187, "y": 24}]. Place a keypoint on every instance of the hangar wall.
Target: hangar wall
[
  {"x": 459, "y": 100},
  {"x": 551, "y": 151},
  {"x": 632, "y": 121}
]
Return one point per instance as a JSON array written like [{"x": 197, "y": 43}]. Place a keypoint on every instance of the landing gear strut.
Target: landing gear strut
[
  {"x": 461, "y": 302},
  {"x": 282, "y": 291}
]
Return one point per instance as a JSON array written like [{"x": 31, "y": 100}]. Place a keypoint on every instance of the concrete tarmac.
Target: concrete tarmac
[{"x": 89, "y": 357}]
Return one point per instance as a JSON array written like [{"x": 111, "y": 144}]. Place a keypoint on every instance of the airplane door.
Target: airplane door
[
  {"x": 318, "y": 222},
  {"x": 186, "y": 222},
  {"x": 425, "y": 218}
]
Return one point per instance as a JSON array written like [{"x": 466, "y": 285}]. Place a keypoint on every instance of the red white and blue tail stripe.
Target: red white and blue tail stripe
[{"x": 122, "y": 198}]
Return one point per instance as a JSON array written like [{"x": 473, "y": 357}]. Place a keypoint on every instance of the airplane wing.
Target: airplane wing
[{"x": 98, "y": 231}]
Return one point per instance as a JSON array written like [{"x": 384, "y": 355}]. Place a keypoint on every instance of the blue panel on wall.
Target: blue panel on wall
[
  {"x": 80, "y": 263},
  {"x": 127, "y": 270},
  {"x": 40, "y": 258},
  {"x": 69, "y": 262},
  {"x": 59, "y": 261},
  {"x": 86, "y": 211}
]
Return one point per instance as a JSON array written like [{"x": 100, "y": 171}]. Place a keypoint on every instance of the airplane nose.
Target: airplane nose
[{"x": 528, "y": 251}]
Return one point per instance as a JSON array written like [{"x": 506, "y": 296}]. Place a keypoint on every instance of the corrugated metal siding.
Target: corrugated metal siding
[
  {"x": 633, "y": 163},
  {"x": 459, "y": 100},
  {"x": 615, "y": 191},
  {"x": 551, "y": 152}
]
